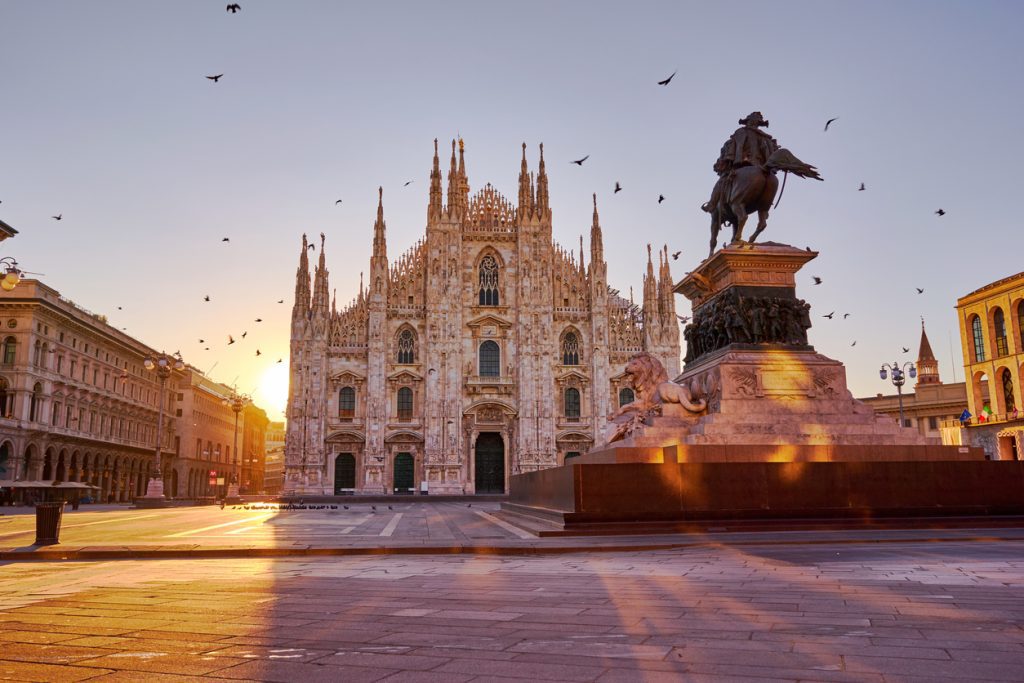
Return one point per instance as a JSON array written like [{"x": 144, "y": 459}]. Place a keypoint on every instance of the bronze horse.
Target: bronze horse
[{"x": 750, "y": 189}]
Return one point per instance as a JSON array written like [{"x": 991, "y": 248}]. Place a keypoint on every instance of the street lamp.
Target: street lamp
[
  {"x": 11, "y": 273},
  {"x": 898, "y": 378},
  {"x": 162, "y": 364},
  {"x": 237, "y": 402}
]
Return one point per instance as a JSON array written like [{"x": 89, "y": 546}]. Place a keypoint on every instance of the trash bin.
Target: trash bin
[{"x": 48, "y": 516}]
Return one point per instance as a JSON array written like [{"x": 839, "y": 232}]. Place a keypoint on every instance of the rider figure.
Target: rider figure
[{"x": 748, "y": 146}]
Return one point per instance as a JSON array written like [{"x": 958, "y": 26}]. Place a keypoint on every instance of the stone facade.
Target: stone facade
[
  {"x": 252, "y": 427},
  {"x": 484, "y": 351},
  {"x": 273, "y": 466}
]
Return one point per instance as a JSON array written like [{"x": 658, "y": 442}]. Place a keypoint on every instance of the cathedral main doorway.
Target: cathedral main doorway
[
  {"x": 344, "y": 473},
  {"x": 404, "y": 474},
  {"x": 489, "y": 463}
]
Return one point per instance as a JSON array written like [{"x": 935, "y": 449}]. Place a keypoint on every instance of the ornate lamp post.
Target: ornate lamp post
[
  {"x": 162, "y": 365},
  {"x": 11, "y": 273},
  {"x": 237, "y": 402},
  {"x": 898, "y": 378}
]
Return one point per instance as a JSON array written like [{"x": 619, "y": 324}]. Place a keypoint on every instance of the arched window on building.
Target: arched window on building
[
  {"x": 37, "y": 353},
  {"x": 1020, "y": 325},
  {"x": 490, "y": 359},
  {"x": 406, "y": 347},
  {"x": 572, "y": 404},
  {"x": 626, "y": 396},
  {"x": 570, "y": 349},
  {"x": 1006, "y": 379},
  {"x": 405, "y": 403},
  {"x": 978, "y": 339},
  {"x": 347, "y": 403},
  {"x": 488, "y": 281},
  {"x": 999, "y": 327},
  {"x": 6, "y": 399},
  {"x": 36, "y": 404},
  {"x": 10, "y": 349}
]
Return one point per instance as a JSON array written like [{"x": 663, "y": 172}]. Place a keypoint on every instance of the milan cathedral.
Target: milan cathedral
[{"x": 483, "y": 351}]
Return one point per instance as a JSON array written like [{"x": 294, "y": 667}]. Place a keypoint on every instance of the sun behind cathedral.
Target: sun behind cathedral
[{"x": 484, "y": 351}]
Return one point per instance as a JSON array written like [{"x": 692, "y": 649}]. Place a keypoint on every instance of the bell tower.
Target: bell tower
[{"x": 927, "y": 366}]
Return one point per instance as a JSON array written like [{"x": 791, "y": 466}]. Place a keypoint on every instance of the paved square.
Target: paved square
[{"x": 874, "y": 612}]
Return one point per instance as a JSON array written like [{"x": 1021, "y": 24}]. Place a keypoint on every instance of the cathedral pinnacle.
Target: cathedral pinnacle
[
  {"x": 434, "y": 209},
  {"x": 542, "y": 185}
]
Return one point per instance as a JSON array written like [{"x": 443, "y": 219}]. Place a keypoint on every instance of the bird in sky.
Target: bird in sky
[
  {"x": 683, "y": 319},
  {"x": 817, "y": 280},
  {"x": 905, "y": 349},
  {"x": 280, "y": 360},
  {"x": 854, "y": 343},
  {"x": 280, "y": 301},
  {"x": 225, "y": 239},
  {"x": 661, "y": 198},
  {"x": 861, "y": 188},
  {"x": 407, "y": 183},
  {"x": 57, "y": 217},
  {"x": 675, "y": 256},
  {"x": 618, "y": 188},
  {"x": 829, "y": 316},
  {"x": 206, "y": 348},
  {"x": 312, "y": 246},
  {"x": 829, "y": 123},
  {"x": 258, "y": 353},
  {"x": 939, "y": 212},
  {"x": 202, "y": 341},
  {"x": 259, "y": 320},
  {"x": 206, "y": 298},
  {"x": 215, "y": 78},
  {"x": 845, "y": 316},
  {"x": 245, "y": 333},
  {"x": 335, "y": 203},
  {"x": 919, "y": 290},
  {"x": 234, "y": 7},
  {"x": 579, "y": 162},
  {"x": 231, "y": 340},
  {"x": 669, "y": 79},
  {"x": 119, "y": 308}
]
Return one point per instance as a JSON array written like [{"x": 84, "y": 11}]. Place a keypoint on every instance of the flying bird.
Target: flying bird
[
  {"x": 245, "y": 333},
  {"x": 202, "y": 341},
  {"x": 407, "y": 183},
  {"x": 675, "y": 256},
  {"x": 829, "y": 316},
  {"x": 57, "y": 217},
  {"x": 683, "y": 319},
  {"x": 234, "y": 7},
  {"x": 939, "y": 212},
  {"x": 206, "y": 298},
  {"x": 258, "y": 353},
  {"x": 845, "y": 316},
  {"x": 312, "y": 246},
  {"x": 618, "y": 188},
  {"x": 817, "y": 280},
  {"x": 335, "y": 203},
  {"x": 919, "y": 290},
  {"x": 225, "y": 239},
  {"x": 669, "y": 79},
  {"x": 215, "y": 78},
  {"x": 661, "y": 198},
  {"x": 829, "y": 123},
  {"x": 259, "y": 320},
  {"x": 854, "y": 343},
  {"x": 861, "y": 188},
  {"x": 905, "y": 349},
  {"x": 280, "y": 301},
  {"x": 280, "y": 360},
  {"x": 231, "y": 340},
  {"x": 579, "y": 162},
  {"x": 119, "y": 308}
]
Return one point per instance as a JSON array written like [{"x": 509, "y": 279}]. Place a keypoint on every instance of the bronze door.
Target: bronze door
[
  {"x": 344, "y": 473},
  {"x": 490, "y": 463},
  {"x": 404, "y": 476}
]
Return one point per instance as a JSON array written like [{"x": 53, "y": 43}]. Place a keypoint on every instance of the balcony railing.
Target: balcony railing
[{"x": 978, "y": 420}]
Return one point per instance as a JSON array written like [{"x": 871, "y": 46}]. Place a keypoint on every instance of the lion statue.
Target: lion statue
[{"x": 652, "y": 392}]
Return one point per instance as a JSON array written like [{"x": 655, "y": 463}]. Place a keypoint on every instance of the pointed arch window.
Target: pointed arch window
[
  {"x": 572, "y": 404},
  {"x": 37, "y": 354},
  {"x": 488, "y": 281},
  {"x": 999, "y": 326},
  {"x": 1007, "y": 382},
  {"x": 10, "y": 349},
  {"x": 406, "y": 347},
  {"x": 570, "y": 349},
  {"x": 405, "y": 403},
  {"x": 626, "y": 396},
  {"x": 347, "y": 403},
  {"x": 490, "y": 359},
  {"x": 978, "y": 338}
]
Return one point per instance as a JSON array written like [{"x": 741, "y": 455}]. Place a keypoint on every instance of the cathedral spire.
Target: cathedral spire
[
  {"x": 582, "y": 269},
  {"x": 320, "y": 296},
  {"x": 300, "y": 308},
  {"x": 650, "y": 306},
  {"x": 463, "y": 178},
  {"x": 927, "y": 366},
  {"x": 434, "y": 208},
  {"x": 596, "y": 240},
  {"x": 453, "y": 185},
  {"x": 525, "y": 196},
  {"x": 542, "y": 186}
]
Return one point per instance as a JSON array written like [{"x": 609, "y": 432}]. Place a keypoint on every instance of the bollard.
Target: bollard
[{"x": 48, "y": 517}]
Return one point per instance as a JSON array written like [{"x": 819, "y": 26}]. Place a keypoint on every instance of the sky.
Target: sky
[{"x": 108, "y": 120}]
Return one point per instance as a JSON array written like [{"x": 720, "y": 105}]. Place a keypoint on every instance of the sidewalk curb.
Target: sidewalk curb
[{"x": 55, "y": 554}]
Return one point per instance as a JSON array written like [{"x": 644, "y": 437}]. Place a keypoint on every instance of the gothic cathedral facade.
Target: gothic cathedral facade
[{"x": 484, "y": 351}]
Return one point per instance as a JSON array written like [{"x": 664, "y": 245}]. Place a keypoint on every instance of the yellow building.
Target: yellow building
[{"x": 991, "y": 322}]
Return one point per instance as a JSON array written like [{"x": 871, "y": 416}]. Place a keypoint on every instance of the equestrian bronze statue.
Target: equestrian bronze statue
[{"x": 747, "y": 182}]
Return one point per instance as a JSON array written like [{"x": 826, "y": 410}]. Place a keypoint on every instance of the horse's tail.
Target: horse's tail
[{"x": 785, "y": 174}]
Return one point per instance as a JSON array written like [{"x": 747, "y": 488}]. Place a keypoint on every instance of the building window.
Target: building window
[
  {"x": 1007, "y": 382},
  {"x": 907, "y": 423},
  {"x": 55, "y": 414},
  {"x": 488, "y": 281},
  {"x": 37, "y": 354},
  {"x": 490, "y": 359},
  {"x": 626, "y": 396},
  {"x": 6, "y": 400},
  {"x": 933, "y": 423},
  {"x": 999, "y": 324},
  {"x": 10, "y": 348},
  {"x": 406, "y": 347},
  {"x": 36, "y": 403},
  {"x": 979, "y": 340},
  {"x": 570, "y": 349},
  {"x": 1020, "y": 324},
  {"x": 405, "y": 403},
  {"x": 572, "y": 404},
  {"x": 347, "y": 403}
]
